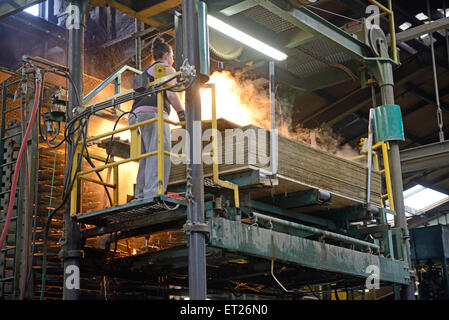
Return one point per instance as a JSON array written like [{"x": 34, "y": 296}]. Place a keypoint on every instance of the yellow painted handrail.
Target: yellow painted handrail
[
  {"x": 160, "y": 77},
  {"x": 216, "y": 178},
  {"x": 384, "y": 146}
]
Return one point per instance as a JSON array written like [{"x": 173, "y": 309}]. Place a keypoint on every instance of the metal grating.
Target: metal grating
[
  {"x": 314, "y": 57},
  {"x": 311, "y": 58},
  {"x": 265, "y": 17},
  {"x": 129, "y": 211}
]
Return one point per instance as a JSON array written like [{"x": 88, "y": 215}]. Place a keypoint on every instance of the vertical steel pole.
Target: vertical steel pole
[
  {"x": 71, "y": 255},
  {"x": 400, "y": 221},
  {"x": 273, "y": 134},
  {"x": 197, "y": 245},
  {"x": 446, "y": 33},
  {"x": 138, "y": 28}
]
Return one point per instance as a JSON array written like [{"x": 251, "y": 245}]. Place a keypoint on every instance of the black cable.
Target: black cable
[
  {"x": 36, "y": 206},
  {"x": 89, "y": 160},
  {"x": 109, "y": 147},
  {"x": 66, "y": 193},
  {"x": 68, "y": 132}
]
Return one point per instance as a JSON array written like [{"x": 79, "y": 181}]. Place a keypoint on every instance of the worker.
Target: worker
[{"x": 145, "y": 108}]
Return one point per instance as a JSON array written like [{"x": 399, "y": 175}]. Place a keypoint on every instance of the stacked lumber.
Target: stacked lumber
[{"x": 300, "y": 167}]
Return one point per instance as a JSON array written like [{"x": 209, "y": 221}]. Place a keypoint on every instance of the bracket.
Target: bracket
[
  {"x": 190, "y": 227},
  {"x": 65, "y": 254}
]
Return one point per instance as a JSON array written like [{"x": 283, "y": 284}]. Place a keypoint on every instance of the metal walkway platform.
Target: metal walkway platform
[{"x": 131, "y": 211}]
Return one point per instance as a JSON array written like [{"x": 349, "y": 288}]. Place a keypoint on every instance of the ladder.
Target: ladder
[
  {"x": 385, "y": 171},
  {"x": 10, "y": 141}
]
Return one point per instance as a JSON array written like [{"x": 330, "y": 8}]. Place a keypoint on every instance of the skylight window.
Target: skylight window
[
  {"x": 424, "y": 198},
  {"x": 421, "y": 16},
  {"x": 418, "y": 200},
  {"x": 405, "y": 26},
  {"x": 34, "y": 10}
]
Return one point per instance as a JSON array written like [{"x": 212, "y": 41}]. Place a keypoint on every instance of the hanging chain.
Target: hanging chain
[
  {"x": 440, "y": 123},
  {"x": 437, "y": 95}
]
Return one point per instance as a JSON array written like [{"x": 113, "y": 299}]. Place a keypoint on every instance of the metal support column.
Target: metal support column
[
  {"x": 273, "y": 134},
  {"x": 71, "y": 255},
  {"x": 195, "y": 184},
  {"x": 138, "y": 29},
  {"x": 387, "y": 94}
]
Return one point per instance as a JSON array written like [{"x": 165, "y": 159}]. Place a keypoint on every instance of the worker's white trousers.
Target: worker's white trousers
[{"x": 147, "y": 177}]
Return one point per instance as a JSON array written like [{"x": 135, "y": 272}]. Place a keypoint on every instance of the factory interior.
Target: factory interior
[{"x": 309, "y": 161}]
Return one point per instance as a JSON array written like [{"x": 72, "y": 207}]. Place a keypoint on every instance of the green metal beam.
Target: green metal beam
[
  {"x": 272, "y": 245},
  {"x": 320, "y": 28},
  {"x": 238, "y": 7}
]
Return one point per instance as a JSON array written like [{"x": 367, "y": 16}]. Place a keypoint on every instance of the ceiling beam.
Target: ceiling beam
[
  {"x": 238, "y": 7},
  {"x": 312, "y": 23},
  {"x": 426, "y": 157},
  {"x": 424, "y": 95},
  {"x": 159, "y": 8},
  {"x": 125, "y": 9},
  {"x": 413, "y": 33}
]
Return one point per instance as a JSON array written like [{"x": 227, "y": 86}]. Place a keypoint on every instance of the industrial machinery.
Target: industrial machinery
[
  {"x": 429, "y": 252},
  {"x": 288, "y": 230}
]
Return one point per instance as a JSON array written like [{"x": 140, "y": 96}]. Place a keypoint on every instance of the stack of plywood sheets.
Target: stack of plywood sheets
[{"x": 300, "y": 167}]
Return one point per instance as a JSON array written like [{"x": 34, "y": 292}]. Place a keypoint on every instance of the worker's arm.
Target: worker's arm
[{"x": 173, "y": 97}]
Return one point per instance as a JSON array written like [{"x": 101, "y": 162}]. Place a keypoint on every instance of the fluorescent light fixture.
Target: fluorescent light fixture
[{"x": 244, "y": 38}]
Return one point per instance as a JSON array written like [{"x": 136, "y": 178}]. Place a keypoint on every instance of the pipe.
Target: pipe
[
  {"x": 195, "y": 179},
  {"x": 255, "y": 217},
  {"x": 71, "y": 247},
  {"x": 273, "y": 134},
  {"x": 400, "y": 221},
  {"x": 370, "y": 155},
  {"x": 138, "y": 44}
]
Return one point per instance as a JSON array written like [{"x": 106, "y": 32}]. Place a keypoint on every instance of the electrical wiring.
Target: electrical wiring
[
  {"x": 109, "y": 148},
  {"x": 89, "y": 160},
  {"x": 19, "y": 160},
  {"x": 66, "y": 193},
  {"x": 79, "y": 123}
]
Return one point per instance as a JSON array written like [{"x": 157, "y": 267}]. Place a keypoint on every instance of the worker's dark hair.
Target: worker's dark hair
[{"x": 159, "y": 47}]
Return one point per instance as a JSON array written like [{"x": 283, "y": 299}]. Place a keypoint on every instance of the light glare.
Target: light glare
[{"x": 245, "y": 38}]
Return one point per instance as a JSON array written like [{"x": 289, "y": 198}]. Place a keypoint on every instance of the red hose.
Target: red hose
[{"x": 12, "y": 195}]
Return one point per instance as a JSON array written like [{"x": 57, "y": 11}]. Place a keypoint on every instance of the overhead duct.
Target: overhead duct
[{"x": 222, "y": 47}]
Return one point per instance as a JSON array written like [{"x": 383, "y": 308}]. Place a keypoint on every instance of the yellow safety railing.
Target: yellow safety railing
[
  {"x": 135, "y": 151},
  {"x": 390, "y": 12},
  {"x": 160, "y": 77},
  {"x": 384, "y": 146},
  {"x": 214, "y": 153}
]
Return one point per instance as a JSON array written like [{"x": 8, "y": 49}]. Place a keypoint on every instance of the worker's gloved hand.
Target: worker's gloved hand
[{"x": 182, "y": 116}]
